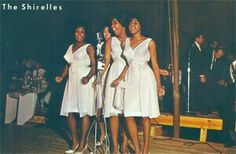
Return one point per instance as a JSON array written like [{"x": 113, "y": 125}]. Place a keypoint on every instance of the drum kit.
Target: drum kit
[{"x": 27, "y": 82}]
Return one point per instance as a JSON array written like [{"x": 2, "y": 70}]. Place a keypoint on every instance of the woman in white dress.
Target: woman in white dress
[
  {"x": 113, "y": 99},
  {"x": 79, "y": 92},
  {"x": 142, "y": 84}
]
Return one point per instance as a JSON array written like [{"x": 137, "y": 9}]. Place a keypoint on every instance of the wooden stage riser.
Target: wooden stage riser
[{"x": 191, "y": 122}]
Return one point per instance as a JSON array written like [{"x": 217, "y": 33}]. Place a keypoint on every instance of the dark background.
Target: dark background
[{"x": 46, "y": 35}]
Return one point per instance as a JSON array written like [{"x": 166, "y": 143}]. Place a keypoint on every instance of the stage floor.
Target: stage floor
[{"x": 32, "y": 139}]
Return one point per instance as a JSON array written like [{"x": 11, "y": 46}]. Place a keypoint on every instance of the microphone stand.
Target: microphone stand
[
  {"x": 99, "y": 87},
  {"x": 189, "y": 79}
]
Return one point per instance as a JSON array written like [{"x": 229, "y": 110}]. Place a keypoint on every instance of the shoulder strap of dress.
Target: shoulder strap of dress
[
  {"x": 149, "y": 39},
  {"x": 86, "y": 45},
  {"x": 112, "y": 40},
  {"x": 69, "y": 49},
  {"x": 147, "y": 42}
]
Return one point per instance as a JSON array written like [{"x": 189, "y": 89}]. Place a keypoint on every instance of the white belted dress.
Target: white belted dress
[
  {"x": 140, "y": 98},
  {"x": 114, "y": 96},
  {"x": 78, "y": 98}
]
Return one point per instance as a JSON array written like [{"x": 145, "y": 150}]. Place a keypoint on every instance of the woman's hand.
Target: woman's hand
[
  {"x": 95, "y": 82},
  {"x": 58, "y": 79},
  {"x": 164, "y": 72},
  {"x": 161, "y": 91},
  {"x": 106, "y": 33},
  {"x": 85, "y": 80},
  {"x": 115, "y": 83},
  {"x": 98, "y": 81}
]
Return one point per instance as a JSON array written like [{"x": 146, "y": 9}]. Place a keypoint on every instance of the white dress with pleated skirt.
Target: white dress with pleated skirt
[
  {"x": 140, "y": 98},
  {"x": 113, "y": 99},
  {"x": 78, "y": 98}
]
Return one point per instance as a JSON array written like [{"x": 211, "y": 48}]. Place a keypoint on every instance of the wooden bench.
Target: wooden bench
[{"x": 202, "y": 123}]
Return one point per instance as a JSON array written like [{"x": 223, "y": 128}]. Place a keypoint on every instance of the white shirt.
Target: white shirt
[
  {"x": 232, "y": 69},
  {"x": 198, "y": 46},
  {"x": 212, "y": 59}
]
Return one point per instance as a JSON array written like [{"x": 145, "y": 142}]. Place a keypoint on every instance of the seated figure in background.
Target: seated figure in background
[{"x": 167, "y": 78}]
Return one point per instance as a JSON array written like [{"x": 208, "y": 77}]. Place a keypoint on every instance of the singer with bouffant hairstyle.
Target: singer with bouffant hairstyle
[
  {"x": 114, "y": 64},
  {"x": 142, "y": 83},
  {"x": 79, "y": 92}
]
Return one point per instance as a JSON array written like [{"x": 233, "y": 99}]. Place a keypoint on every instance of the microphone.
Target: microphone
[
  {"x": 100, "y": 55},
  {"x": 99, "y": 36},
  {"x": 100, "y": 43}
]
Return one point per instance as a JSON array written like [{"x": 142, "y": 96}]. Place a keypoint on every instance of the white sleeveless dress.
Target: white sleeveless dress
[
  {"x": 78, "y": 98},
  {"x": 140, "y": 98},
  {"x": 112, "y": 95}
]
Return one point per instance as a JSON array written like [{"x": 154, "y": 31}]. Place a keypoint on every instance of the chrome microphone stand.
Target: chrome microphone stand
[
  {"x": 189, "y": 79},
  {"x": 99, "y": 91},
  {"x": 188, "y": 84}
]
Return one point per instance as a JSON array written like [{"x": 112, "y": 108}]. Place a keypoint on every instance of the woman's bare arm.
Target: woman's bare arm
[
  {"x": 153, "y": 55},
  {"x": 90, "y": 52},
  {"x": 59, "y": 79}
]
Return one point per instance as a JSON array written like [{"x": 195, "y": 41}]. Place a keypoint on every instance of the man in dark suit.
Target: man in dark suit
[
  {"x": 218, "y": 77},
  {"x": 197, "y": 63},
  {"x": 230, "y": 119},
  {"x": 222, "y": 92},
  {"x": 210, "y": 55}
]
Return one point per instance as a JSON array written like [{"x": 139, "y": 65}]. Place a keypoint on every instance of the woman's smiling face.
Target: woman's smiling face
[
  {"x": 134, "y": 26},
  {"x": 79, "y": 34},
  {"x": 116, "y": 26}
]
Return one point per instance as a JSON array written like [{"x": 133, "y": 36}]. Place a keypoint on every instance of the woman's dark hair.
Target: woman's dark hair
[
  {"x": 81, "y": 23},
  {"x": 139, "y": 16},
  {"x": 136, "y": 15},
  {"x": 85, "y": 25},
  {"x": 121, "y": 16}
]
